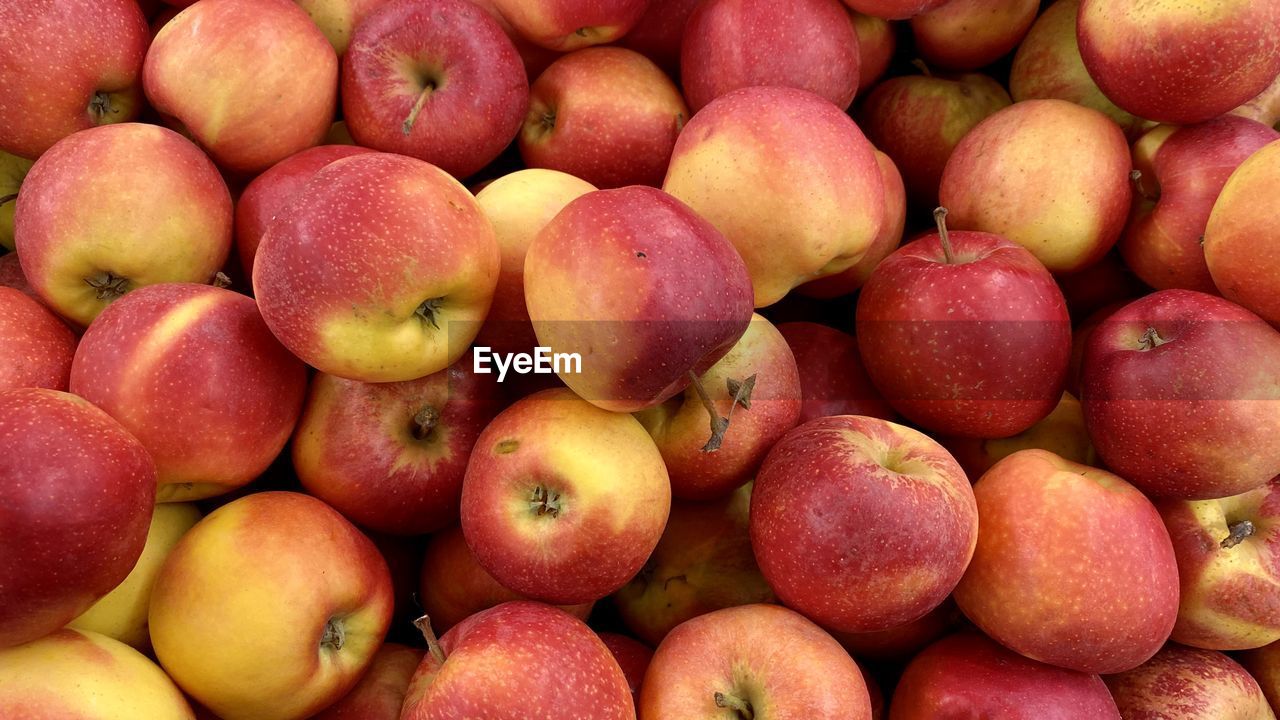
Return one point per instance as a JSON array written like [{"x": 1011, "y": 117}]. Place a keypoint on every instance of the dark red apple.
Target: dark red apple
[{"x": 832, "y": 378}]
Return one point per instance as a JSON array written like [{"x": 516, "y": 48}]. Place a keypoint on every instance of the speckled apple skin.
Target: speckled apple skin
[
  {"x": 380, "y": 693},
  {"x": 833, "y": 380},
  {"x": 36, "y": 346},
  {"x": 1189, "y": 684},
  {"x": 567, "y": 25}
]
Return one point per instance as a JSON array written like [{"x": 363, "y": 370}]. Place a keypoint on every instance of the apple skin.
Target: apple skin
[
  {"x": 788, "y": 178},
  {"x": 703, "y": 563},
  {"x": 680, "y": 426},
  {"x": 894, "y": 9},
  {"x": 36, "y": 346},
  {"x": 338, "y": 19},
  {"x": 765, "y": 656},
  {"x": 436, "y": 80},
  {"x": 520, "y": 659},
  {"x": 1073, "y": 566},
  {"x": 1048, "y": 66},
  {"x": 832, "y": 378},
  {"x": 1213, "y": 56},
  {"x": 78, "y": 675},
  {"x": 1230, "y": 596},
  {"x": 835, "y": 522},
  {"x": 566, "y": 25},
  {"x": 607, "y": 115},
  {"x": 1061, "y": 432},
  {"x": 918, "y": 120},
  {"x": 677, "y": 296},
  {"x": 1183, "y": 171},
  {"x": 897, "y": 645},
  {"x": 13, "y": 170},
  {"x": 65, "y": 66},
  {"x": 241, "y": 391},
  {"x": 1210, "y": 435},
  {"x": 380, "y": 270},
  {"x": 380, "y": 693},
  {"x": 1264, "y": 665},
  {"x": 269, "y": 193},
  {"x": 76, "y": 225},
  {"x": 926, "y": 328},
  {"x": 122, "y": 613},
  {"x": 535, "y": 57},
  {"x": 1189, "y": 684},
  {"x": 453, "y": 586},
  {"x": 633, "y": 657},
  {"x": 806, "y": 44},
  {"x": 1265, "y": 108},
  {"x": 252, "y": 81},
  {"x": 296, "y": 622},
  {"x": 391, "y": 456},
  {"x": 1101, "y": 285},
  {"x": 1020, "y": 174},
  {"x": 969, "y": 34},
  {"x": 11, "y": 277},
  {"x": 660, "y": 31},
  {"x": 969, "y": 676},
  {"x": 78, "y": 492},
  {"x": 563, "y": 502},
  {"x": 1239, "y": 238},
  {"x": 518, "y": 206},
  {"x": 877, "y": 43}
]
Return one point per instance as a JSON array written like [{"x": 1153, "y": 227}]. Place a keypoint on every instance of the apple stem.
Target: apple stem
[
  {"x": 1150, "y": 340},
  {"x": 407, "y": 127},
  {"x": 424, "y": 421},
  {"x": 433, "y": 644},
  {"x": 922, "y": 67},
  {"x": 718, "y": 424},
  {"x": 1239, "y": 531},
  {"x": 8, "y": 198},
  {"x": 220, "y": 280},
  {"x": 735, "y": 703},
  {"x": 100, "y": 105},
  {"x": 940, "y": 219}
]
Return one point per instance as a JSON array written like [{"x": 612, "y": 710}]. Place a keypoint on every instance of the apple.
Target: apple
[
  {"x": 272, "y": 606},
  {"x": 77, "y": 675},
  {"x": 1263, "y": 666},
  {"x": 519, "y": 205},
  {"x": 877, "y": 43},
  {"x": 894, "y": 9},
  {"x": 647, "y": 294},
  {"x": 453, "y": 586},
  {"x": 36, "y": 347},
  {"x": 1179, "y": 174},
  {"x": 1073, "y": 566},
  {"x": 252, "y": 81},
  {"x": 195, "y": 374},
  {"x": 832, "y": 378},
  {"x": 1176, "y": 64},
  {"x": 659, "y": 33},
  {"x": 965, "y": 334},
  {"x": 566, "y": 25},
  {"x": 968, "y": 675},
  {"x": 78, "y": 492},
  {"x": 1061, "y": 432},
  {"x": 788, "y": 178},
  {"x": 1020, "y": 174},
  {"x": 13, "y": 170},
  {"x": 918, "y": 120},
  {"x": 391, "y": 456},
  {"x": 11, "y": 277},
  {"x": 805, "y": 44},
  {"x": 1101, "y": 285},
  {"x": 115, "y": 208},
  {"x": 535, "y": 57},
  {"x": 519, "y": 659},
  {"x": 969, "y": 34},
  {"x": 607, "y": 115},
  {"x": 1265, "y": 108},
  {"x": 563, "y": 501},
  {"x": 380, "y": 270},
  {"x": 835, "y": 522},
  {"x": 1239, "y": 237},
  {"x": 1048, "y": 66},
  {"x": 1189, "y": 684},
  {"x": 750, "y": 661},
  {"x": 1210, "y": 433},
  {"x": 703, "y": 563},
  {"x": 633, "y": 657},
  {"x": 1079, "y": 343},
  {"x": 65, "y": 66},
  {"x": 380, "y": 693},
  {"x": 338, "y": 19},
  {"x": 903, "y": 642},
  {"x": 756, "y": 386},
  {"x": 269, "y": 193},
  {"x": 1226, "y": 551},
  {"x": 122, "y": 613},
  {"x": 434, "y": 79}
]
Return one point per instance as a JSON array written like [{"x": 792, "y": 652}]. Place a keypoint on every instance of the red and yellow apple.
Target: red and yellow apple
[
  {"x": 969, "y": 34},
  {"x": 380, "y": 693},
  {"x": 1061, "y": 432},
  {"x": 36, "y": 346},
  {"x": 566, "y": 25},
  {"x": 1189, "y": 684},
  {"x": 1239, "y": 240}
]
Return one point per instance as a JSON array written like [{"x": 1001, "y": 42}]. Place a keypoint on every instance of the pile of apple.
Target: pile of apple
[{"x": 777, "y": 360}]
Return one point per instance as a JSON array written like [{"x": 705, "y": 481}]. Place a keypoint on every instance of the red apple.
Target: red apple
[
  {"x": 1210, "y": 432},
  {"x": 1189, "y": 684},
  {"x": 633, "y": 657},
  {"x": 835, "y": 522},
  {"x": 380, "y": 270},
  {"x": 644, "y": 291},
  {"x": 11, "y": 276},
  {"x": 752, "y": 661},
  {"x": 118, "y": 207},
  {"x": 900, "y": 644},
  {"x": 894, "y": 9},
  {"x": 67, "y": 65},
  {"x": 1101, "y": 285},
  {"x": 969, "y": 676},
  {"x": 969, "y": 34},
  {"x": 535, "y": 57},
  {"x": 195, "y": 374},
  {"x": 434, "y": 79},
  {"x": 1264, "y": 665},
  {"x": 252, "y": 81},
  {"x": 1265, "y": 107},
  {"x": 391, "y": 456},
  {"x": 659, "y": 32},
  {"x": 1240, "y": 237},
  {"x": 380, "y": 692},
  {"x": 806, "y": 44},
  {"x": 566, "y": 25},
  {"x": 36, "y": 347},
  {"x": 1073, "y": 566},
  {"x": 832, "y": 378},
  {"x": 1080, "y": 341},
  {"x": 877, "y": 43},
  {"x": 1061, "y": 432},
  {"x": 78, "y": 492}
]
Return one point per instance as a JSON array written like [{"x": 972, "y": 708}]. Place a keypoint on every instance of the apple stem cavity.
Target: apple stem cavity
[
  {"x": 736, "y": 704},
  {"x": 940, "y": 219},
  {"x": 429, "y": 309},
  {"x": 424, "y": 421},
  {"x": 108, "y": 285},
  {"x": 1150, "y": 340},
  {"x": 429, "y": 87},
  {"x": 433, "y": 643},
  {"x": 334, "y": 636},
  {"x": 1239, "y": 531}
]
